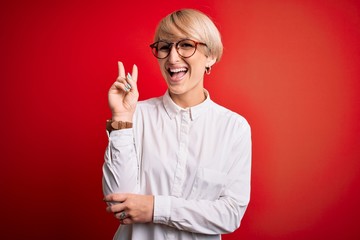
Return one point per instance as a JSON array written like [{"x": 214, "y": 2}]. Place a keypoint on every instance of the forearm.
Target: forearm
[
  {"x": 199, "y": 216},
  {"x": 120, "y": 169}
]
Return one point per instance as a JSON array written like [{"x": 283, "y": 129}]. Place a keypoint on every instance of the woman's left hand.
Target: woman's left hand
[{"x": 131, "y": 208}]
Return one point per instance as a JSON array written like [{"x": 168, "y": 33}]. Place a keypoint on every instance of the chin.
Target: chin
[{"x": 177, "y": 89}]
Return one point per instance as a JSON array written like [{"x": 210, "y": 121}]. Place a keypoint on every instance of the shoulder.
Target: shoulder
[
  {"x": 228, "y": 116},
  {"x": 230, "y": 123}
]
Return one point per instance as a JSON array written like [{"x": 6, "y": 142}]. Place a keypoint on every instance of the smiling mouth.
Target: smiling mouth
[{"x": 177, "y": 73}]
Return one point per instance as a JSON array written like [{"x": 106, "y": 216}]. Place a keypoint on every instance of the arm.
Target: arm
[{"x": 120, "y": 169}]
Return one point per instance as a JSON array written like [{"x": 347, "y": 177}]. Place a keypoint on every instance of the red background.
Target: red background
[{"x": 290, "y": 67}]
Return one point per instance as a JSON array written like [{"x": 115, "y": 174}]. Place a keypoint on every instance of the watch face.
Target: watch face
[{"x": 115, "y": 125}]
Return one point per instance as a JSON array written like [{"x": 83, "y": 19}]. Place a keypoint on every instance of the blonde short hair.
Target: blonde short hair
[{"x": 194, "y": 24}]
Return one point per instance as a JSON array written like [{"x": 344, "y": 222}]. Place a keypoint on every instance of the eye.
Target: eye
[
  {"x": 187, "y": 44},
  {"x": 163, "y": 46}
]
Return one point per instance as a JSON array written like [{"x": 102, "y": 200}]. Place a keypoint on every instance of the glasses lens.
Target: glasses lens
[
  {"x": 161, "y": 49},
  {"x": 186, "y": 48}
]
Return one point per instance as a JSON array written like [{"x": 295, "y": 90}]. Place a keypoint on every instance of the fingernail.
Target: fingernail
[
  {"x": 129, "y": 76},
  {"x": 127, "y": 87}
]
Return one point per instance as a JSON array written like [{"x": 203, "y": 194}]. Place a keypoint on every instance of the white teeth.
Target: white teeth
[{"x": 176, "y": 70}]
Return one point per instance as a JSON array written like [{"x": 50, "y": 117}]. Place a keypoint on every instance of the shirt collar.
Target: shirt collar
[{"x": 172, "y": 109}]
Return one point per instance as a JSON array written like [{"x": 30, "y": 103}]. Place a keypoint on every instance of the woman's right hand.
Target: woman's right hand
[{"x": 122, "y": 100}]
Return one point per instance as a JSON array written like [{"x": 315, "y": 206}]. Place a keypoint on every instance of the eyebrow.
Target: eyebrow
[{"x": 177, "y": 40}]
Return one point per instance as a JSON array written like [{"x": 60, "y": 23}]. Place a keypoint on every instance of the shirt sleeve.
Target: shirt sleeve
[
  {"x": 213, "y": 216},
  {"x": 120, "y": 169}
]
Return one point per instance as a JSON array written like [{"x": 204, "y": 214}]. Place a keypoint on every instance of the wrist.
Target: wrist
[{"x": 123, "y": 117}]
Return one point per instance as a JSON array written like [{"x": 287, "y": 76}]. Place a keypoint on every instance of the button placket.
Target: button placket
[{"x": 180, "y": 171}]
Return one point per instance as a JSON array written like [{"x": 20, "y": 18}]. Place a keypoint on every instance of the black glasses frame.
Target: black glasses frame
[{"x": 154, "y": 49}]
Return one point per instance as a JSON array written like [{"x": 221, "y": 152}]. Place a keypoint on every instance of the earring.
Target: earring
[{"x": 208, "y": 70}]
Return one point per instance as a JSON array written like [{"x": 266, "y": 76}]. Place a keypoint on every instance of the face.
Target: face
[{"x": 184, "y": 76}]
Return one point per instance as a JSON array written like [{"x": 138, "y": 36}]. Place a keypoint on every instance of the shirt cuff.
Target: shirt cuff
[
  {"x": 162, "y": 206},
  {"x": 121, "y": 137}
]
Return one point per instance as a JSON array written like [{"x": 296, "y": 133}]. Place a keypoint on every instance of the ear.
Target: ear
[{"x": 210, "y": 61}]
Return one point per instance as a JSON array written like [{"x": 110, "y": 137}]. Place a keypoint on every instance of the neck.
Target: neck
[{"x": 187, "y": 100}]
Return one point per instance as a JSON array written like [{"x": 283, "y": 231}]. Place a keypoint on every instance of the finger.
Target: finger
[
  {"x": 134, "y": 73},
  {"x": 127, "y": 221},
  {"x": 121, "y": 69},
  {"x": 122, "y": 84},
  {"x": 116, "y": 208},
  {"x": 121, "y": 215},
  {"x": 121, "y": 80},
  {"x": 132, "y": 79},
  {"x": 115, "y": 197}
]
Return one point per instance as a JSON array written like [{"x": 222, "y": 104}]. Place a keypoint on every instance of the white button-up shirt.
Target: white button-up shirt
[{"x": 195, "y": 161}]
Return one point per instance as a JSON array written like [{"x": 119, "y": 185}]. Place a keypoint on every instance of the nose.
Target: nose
[{"x": 173, "y": 55}]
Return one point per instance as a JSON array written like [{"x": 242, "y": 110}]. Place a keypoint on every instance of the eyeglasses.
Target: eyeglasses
[{"x": 185, "y": 48}]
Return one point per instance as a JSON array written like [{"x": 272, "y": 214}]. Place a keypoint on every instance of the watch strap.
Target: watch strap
[{"x": 117, "y": 125}]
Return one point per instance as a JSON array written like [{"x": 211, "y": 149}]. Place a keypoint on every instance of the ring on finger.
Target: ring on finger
[{"x": 122, "y": 215}]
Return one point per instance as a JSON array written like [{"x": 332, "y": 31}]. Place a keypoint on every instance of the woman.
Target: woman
[{"x": 177, "y": 166}]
